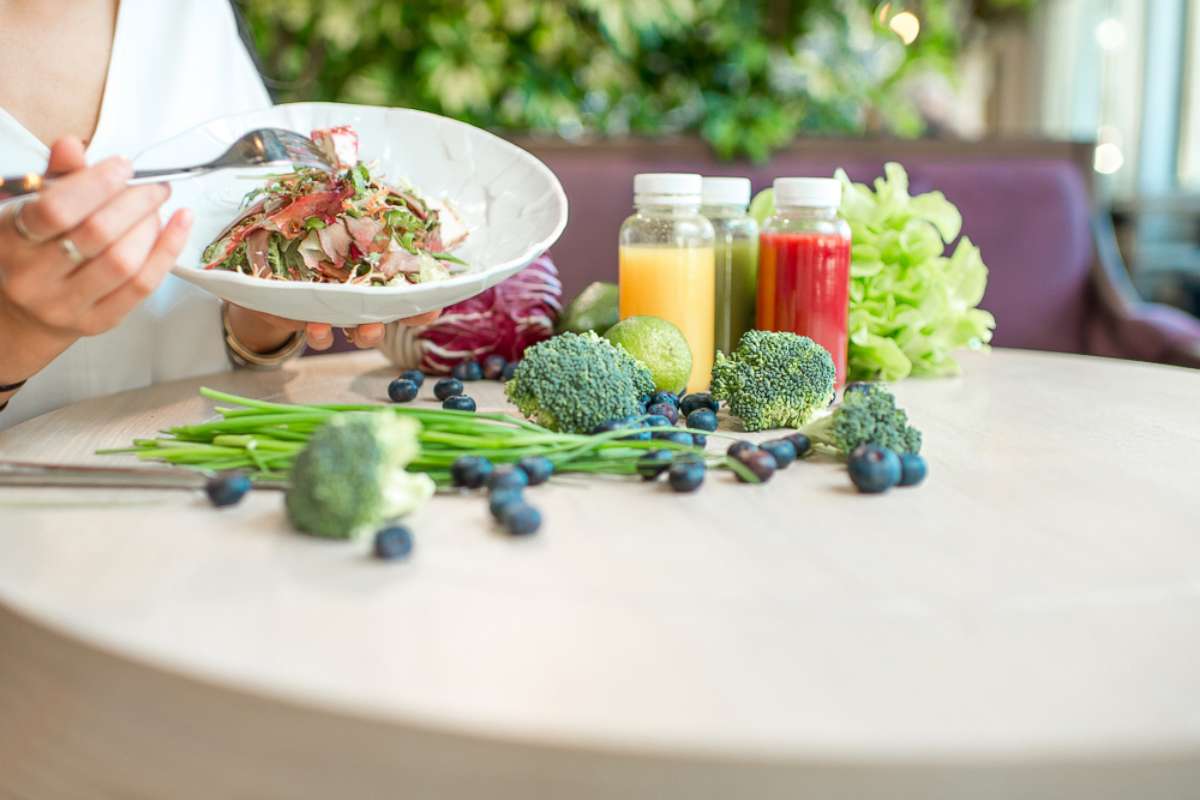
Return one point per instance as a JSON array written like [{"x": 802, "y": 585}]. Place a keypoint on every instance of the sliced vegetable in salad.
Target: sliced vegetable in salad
[{"x": 345, "y": 226}]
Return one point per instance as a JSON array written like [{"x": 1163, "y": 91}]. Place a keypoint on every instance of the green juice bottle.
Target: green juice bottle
[{"x": 736, "y": 244}]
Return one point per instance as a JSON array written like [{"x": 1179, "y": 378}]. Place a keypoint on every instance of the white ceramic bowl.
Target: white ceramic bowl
[{"x": 512, "y": 203}]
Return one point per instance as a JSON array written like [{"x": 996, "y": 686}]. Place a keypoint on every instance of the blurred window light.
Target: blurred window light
[
  {"x": 1108, "y": 158},
  {"x": 906, "y": 26},
  {"x": 1108, "y": 134},
  {"x": 1110, "y": 35},
  {"x": 1189, "y": 126}
]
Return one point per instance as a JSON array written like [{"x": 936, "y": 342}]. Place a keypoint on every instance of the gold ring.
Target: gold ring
[
  {"x": 71, "y": 250},
  {"x": 19, "y": 225}
]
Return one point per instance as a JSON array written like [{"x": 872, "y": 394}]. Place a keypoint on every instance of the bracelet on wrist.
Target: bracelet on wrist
[{"x": 243, "y": 356}]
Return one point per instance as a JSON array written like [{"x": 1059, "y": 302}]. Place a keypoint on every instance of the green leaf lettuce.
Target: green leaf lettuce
[{"x": 911, "y": 306}]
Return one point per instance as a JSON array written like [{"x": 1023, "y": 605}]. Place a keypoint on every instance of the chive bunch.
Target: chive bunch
[{"x": 264, "y": 438}]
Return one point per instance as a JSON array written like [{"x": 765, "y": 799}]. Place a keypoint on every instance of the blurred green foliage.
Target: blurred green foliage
[{"x": 747, "y": 75}]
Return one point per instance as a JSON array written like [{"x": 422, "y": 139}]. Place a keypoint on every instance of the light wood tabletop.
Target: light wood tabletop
[{"x": 1026, "y": 623}]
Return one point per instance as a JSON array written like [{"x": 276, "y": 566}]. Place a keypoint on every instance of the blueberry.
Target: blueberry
[
  {"x": 652, "y": 464},
  {"x": 657, "y": 421},
  {"x": 699, "y": 400},
  {"x": 227, "y": 489},
  {"x": 664, "y": 410},
  {"x": 608, "y": 427},
  {"x": 507, "y": 478},
  {"x": 521, "y": 519},
  {"x": 912, "y": 469},
  {"x": 738, "y": 448},
  {"x": 686, "y": 476},
  {"x": 663, "y": 396},
  {"x": 678, "y": 437},
  {"x": 507, "y": 373},
  {"x": 393, "y": 542},
  {"x": 414, "y": 375},
  {"x": 501, "y": 499},
  {"x": 638, "y": 436},
  {"x": 856, "y": 386},
  {"x": 702, "y": 419},
  {"x": 537, "y": 469},
  {"x": 470, "y": 472},
  {"x": 699, "y": 439},
  {"x": 644, "y": 402},
  {"x": 802, "y": 444},
  {"x": 759, "y": 462},
  {"x": 402, "y": 390},
  {"x": 635, "y": 424},
  {"x": 459, "y": 402},
  {"x": 467, "y": 371},
  {"x": 621, "y": 424},
  {"x": 493, "y": 366},
  {"x": 447, "y": 387},
  {"x": 783, "y": 450},
  {"x": 873, "y": 468}
]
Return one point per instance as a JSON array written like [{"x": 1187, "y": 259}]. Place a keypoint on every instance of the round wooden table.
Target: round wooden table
[{"x": 1026, "y": 624}]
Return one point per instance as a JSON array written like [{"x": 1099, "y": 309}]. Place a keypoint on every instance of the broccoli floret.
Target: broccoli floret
[
  {"x": 866, "y": 416},
  {"x": 774, "y": 379},
  {"x": 576, "y": 381},
  {"x": 350, "y": 477}
]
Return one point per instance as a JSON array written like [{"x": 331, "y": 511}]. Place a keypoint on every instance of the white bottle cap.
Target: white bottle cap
[
  {"x": 726, "y": 192},
  {"x": 810, "y": 192},
  {"x": 667, "y": 188}
]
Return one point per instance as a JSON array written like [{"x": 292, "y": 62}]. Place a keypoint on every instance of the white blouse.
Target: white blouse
[{"x": 174, "y": 65}]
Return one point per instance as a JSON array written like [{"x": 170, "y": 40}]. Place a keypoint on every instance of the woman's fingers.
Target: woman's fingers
[
  {"x": 117, "y": 217},
  {"x": 367, "y": 336},
  {"x": 319, "y": 335},
  {"x": 116, "y": 266},
  {"x": 421, "y": 319},
  {"x": 72, "y": 199},
  {"x": 162, "y": 256},
  {"x": 66, "y": 155}
]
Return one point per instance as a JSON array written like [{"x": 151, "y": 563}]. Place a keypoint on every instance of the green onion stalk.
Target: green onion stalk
[{"x": 263, "y": 439}]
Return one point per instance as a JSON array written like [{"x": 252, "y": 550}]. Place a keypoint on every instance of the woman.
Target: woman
[{"x": 87, "y": 306}]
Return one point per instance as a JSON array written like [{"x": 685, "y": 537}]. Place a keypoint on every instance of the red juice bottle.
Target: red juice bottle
[{"x": 804, "y": 266}]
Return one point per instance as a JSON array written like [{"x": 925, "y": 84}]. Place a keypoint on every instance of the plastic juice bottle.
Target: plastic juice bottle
[
  {"x": 724, "y": 202},
  {"x": 666, "y": 264},
  {"x": 804, "y": 266}
]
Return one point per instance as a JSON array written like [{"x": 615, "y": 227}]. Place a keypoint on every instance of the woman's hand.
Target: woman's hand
[
  {"x": 265, "y": 333},
  {"x": 85, "y": 253}
]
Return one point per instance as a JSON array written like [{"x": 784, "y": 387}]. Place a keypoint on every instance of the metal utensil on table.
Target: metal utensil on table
[
  {"x": 258, "y": 148},
  {"x": 25, "y": 473}
]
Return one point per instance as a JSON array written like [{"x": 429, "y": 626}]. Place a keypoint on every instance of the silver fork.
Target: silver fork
[
  {"x": 33, "y": 474},
  {"x": 258, "y": 148}
]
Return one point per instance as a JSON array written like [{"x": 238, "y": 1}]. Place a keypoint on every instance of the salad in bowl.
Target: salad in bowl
[
  {"x": 418, "y": 213},
  {"x": 345, "y": 226}
]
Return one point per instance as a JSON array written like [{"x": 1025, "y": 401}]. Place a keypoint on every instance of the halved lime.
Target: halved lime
[
  {"x": 659, "y": 345},
  {"x": 763, "y": 205},
  {"x": 593, "y": 309}
]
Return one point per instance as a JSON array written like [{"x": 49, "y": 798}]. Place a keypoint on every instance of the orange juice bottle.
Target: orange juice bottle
[{"x": 667, "y": 266}]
